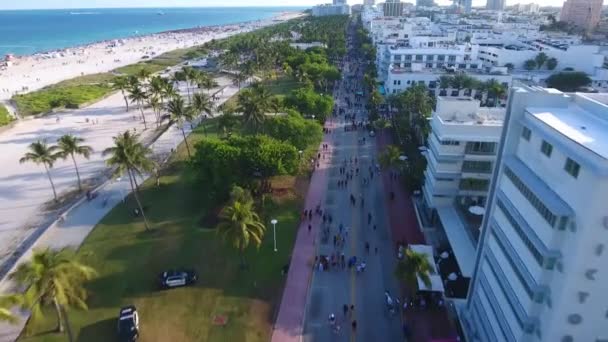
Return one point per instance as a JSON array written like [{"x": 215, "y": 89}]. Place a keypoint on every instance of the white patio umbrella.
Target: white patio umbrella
[
  {"x": 477, "y": 210},
  {"x": 444, "y": 255},
  {"x": 402, "y": 158},
  {"x": 452, "y": 276}
]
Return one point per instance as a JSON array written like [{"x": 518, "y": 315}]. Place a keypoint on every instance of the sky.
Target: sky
[{"x": 59, "y": 4}]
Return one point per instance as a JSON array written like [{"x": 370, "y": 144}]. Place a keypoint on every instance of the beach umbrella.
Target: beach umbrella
[{"x": 452, "y": 276}]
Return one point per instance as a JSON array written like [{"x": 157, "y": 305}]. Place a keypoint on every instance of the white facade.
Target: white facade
[
  {"x": 541, "y": 267},
  {"x": 330, "y": 9},
  {"x": 461, "y": 154}
]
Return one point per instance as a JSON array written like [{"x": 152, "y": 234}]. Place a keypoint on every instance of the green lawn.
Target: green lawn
[
  {"x": 5, "y": 117},
  {"x": 159, "y": 63},
  {"x": 128, "y": 261},
  {"x": 57, "y": 96}
]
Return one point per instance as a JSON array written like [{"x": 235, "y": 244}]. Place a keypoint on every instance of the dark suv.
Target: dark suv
[
  {"x": 128, "y": 324},
  {"x": 177, "y": 278}
]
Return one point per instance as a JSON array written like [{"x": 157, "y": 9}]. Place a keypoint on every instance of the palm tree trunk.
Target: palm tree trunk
[
  {"x": 141, "y": 209},
  {"x": 188, "y": 89},
  {"x": 48, "y": 173},
  {"x": 141, "y": 108},
  {"x": 186, "y": 142},
  {"x": 59, "y": 315},
  {"x": 126, "y": 99},
  {"x": 77, "y": 173}
]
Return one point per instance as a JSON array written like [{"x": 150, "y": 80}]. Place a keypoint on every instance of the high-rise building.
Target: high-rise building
[
  {"x": 393, "y": 8},
  {"x": 369, "y": 2},
  {"x": 584, "y": 14},
  {"x": 495, "y": 5},
  {"x": 329, "y": 9},
  {"x": 339, "y": 2},
  {"x": 540, "y": 271}
]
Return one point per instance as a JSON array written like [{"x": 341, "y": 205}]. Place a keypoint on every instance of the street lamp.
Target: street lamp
[
  {"x": 274, "y": 232},
  {"x": 313, "y": 116},
  {"x": 300, "y": 153}
]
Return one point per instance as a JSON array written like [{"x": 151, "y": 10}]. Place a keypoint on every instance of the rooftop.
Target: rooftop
[
  {"x": 466, "y": 111},
  {"x": 587, "y": 129}
]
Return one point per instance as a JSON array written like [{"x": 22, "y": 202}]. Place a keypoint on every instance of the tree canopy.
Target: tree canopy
[{"x": 568, "y": 81}]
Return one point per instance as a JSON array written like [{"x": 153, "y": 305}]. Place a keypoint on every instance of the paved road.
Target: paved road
[{"x": 333, "y": 288}]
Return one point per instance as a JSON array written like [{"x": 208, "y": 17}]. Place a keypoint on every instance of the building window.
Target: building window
[
  {"x": 477, "y": 166},
  {"x": 450, "y": 142},
  {"x": 399, "y": 82},
  {"x": 480, "y": 147},
  {"x": 474, "y": 184},
  {"x": 418, "y": 58},
  {"x": 441, "y": 58},
  {"x": 534, "y": 201},
  {"x": 439, "y": 65},
  {"x": 522, "y": 235},
  {"x": 572, "y": 167},
  {"x": 432, "y": 84},
  {"x": 395, "y": 82},
  {"x": 407, "y": 65},
  {"x": 451, "y": 58},
  {"x": 429, "y": 65},
  {"x": 398, "y": 57},
  {"x": 408, "y": 57},
  {"x": 421, "y": 82},
  {"x": 430, "y": 57},
  {"x": 462, "y": 66},
  {"x": 546, "y": 148},
  {"x": 473, "y": 66},
  {"x": 454, "y": 93},
  {"x": 526, "y": 133}
]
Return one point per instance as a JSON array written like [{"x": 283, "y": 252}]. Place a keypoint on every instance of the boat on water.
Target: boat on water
[{"x": 160, "y": 13}]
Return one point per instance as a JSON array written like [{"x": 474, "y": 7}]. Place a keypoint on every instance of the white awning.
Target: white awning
[
  {"x": 463, "y": 247},
  {"x": 436, "y": 282}
]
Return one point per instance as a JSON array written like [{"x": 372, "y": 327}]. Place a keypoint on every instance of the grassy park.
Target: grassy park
[
  {"x": 5, "y": 117},
  {"x": 128, "y": 261}
]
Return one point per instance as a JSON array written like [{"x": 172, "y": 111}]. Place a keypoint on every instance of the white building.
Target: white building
[
  {"x": 428, "y": 58},
  {"x": 541, "y": 267},
  {"x": 330, "y": 9},
  {"x": 461, "y": 154}
]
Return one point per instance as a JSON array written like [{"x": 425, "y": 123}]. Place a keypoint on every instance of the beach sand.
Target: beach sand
[{"x": 29, "y": 73}]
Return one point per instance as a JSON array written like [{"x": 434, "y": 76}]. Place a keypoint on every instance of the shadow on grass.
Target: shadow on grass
[{"x": 101, "y": 331}]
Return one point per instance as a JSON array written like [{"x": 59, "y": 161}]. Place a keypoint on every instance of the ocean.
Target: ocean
[{"x": 30, "y": 31}]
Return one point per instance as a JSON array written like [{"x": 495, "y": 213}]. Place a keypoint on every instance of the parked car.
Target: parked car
[
  {"x": 177, "y": 278},
  {"x": 128, "y": 324}
]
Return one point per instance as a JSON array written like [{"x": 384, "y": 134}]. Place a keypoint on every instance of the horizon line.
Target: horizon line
[{"x": 143, "y": 7}]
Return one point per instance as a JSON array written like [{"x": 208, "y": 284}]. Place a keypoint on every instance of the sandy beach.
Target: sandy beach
[{"x": 29, "y": 73}]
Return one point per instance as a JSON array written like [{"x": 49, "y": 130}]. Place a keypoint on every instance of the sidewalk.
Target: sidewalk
[
  {"x": 425, "y": 325},
  {"x": 81, "y": 218},
  {"x": 289, "y": 324}
]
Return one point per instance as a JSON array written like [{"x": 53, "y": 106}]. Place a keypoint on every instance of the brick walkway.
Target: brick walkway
[
  {"x": 425, "y": 325},
  {"x": 290, "y": 320}
]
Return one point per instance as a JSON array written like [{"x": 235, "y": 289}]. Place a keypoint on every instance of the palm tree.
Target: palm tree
[
  {"x": 180, "y": 113},
  {"x": 207, "y": 82},
  {"x": 144, "y": 74},
  {"x": 414, "y": 265},
  {"x": 253, "y": 106},
  {"x": 122, "y": 83},
  {"x": 41, "y": 153},
  {"x": 53, "y": 277},
  {"x": 241, "y": 226},
  {"x": 70, "y": 146},
  {"x": 540, "y": 59},
  {"x": 201, "y": 103},
  {"x": 444, "y": 82},
  {"x": 389, "y": 158},
  {"x": 137, "y": 95},
  {"x": 190, "y": 75},
  {"x": 495, "y": 90},
  {"x": 130, "y": 156},
  {"x": 227, "y": 121}
]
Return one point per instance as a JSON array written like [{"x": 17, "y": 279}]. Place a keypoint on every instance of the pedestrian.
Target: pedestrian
[
  {"x": 374, "y": 227},
  {"x": 376, "y": 250},
  {"x": 369, "y": 218},
  {"x": 345, "y": 309},
  {"x": 352, "y": 310},
  {"x": 354, "y": 325},
  {"x": 309, "y": 228},
  {"x": 367, "y": 247}
]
